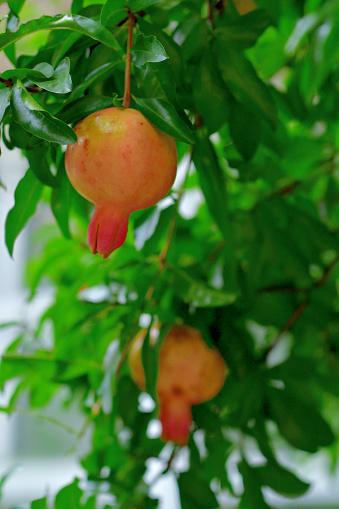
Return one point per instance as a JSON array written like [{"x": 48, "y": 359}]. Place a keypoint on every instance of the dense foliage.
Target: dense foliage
[{"x": 244, "y": 247}]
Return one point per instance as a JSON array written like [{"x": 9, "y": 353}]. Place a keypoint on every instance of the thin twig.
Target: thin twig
[
  {"x": 302, "y": 306},
  {"x": 174, "y": 220},
  {"x": 127, "y": 93},
  {"x": 282, "y": 289},
  {"x": 162, "y": 263},
  {"x": 166, "y": 469},
  {"x": 210, "y": 14},
  {"x": 43, "y": 417},
  {"x": 9, "y": 83}
]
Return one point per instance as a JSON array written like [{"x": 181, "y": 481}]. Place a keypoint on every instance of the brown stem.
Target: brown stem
[
  {"x": 127, "y": 94},
  {"x": 210, "y": 15},
  {"x": 299, "y": 310},
  {"x": 173, "y": 223},
  {"x": 9, "y": 83}
]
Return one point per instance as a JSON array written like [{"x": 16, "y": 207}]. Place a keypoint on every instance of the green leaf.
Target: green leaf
[
  {"x": 44, "y": 68},
  {"x": 27, "y": 195},
  {"x": 172, "y": 49},
  {"x": 69, "y": 497},
  {"x": 60, "y": 201},
  {"x": 210, "y": 95},
  {"x": 242, "y": 80},
  {"x": 145, "y": 230},
  {"x": 29, "y": 73},
  {"x": 244, "y": 31},
  {"x": 329, "y": 382},
  {"x": 252, "y": 497},
  {"x": 60, "y": 82},
  {"x": 268, "y": 55},
  {"x": 21, "y": 138},
  {"x": 281, "y": 480},
  {"x": 16, "y": 5},
  {"x": 301, "y": 424},
  {"x": 96, "y": 76},
  {"x": 156, "y": 80},
  {"x": 147, "y": 49},
  {"x": 41, "y": 503},
  {"x": 195, "y": 493},
  {"x": 213, "y": 184},
  {"x": 301, "y": 29},
  {"x": 195, "y": 41},
  {"x": 4, "y": 101},
  {"x": 85, "y": 26},
  {"x": 64, "y": 46},
  {"x": 80, "y": 108},
  {"x": 30, "y": 115},
  {"x": 113, "y": 11},
  {"x": 6, "y": 476},
  {"x": 39, "y": 164},
  {"x": 140, "y": 5},
  {"x": 164, "y": 116},
  {"x": 245, "y": 129},
  {"x": 198, "y": 293}
]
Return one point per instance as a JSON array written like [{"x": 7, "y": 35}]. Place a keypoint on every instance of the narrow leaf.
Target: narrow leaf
[
  {"x": 252, "y": 496},
  {"x": 301, "y": 424},
  {"x": 281, "y": 480},
  {"x": 213, "y": 184},
  {"x": 156, "y": 80},
  {"x": 39, "y": 164},
  {"x": 32, "y": 117},
  {"x": 96, "y": 76},
  {"x": 198, "y": 293},
  {"x": 140, "y": 5},
  {"x": 85, "y": 26},
  {"x": 60, "y": 201},
  {"x": 85, "y": 106},
  {"x": 27, "y": 195},
  {"x": 4, "y": 101},
  {"x": 210, "y": 95},
  {"x": 147, "y": 49},
  {"x": 64, "y": 46},
  {"x": 196, "y": 493},
  {"x": 164, "y": 116},
  {"x": 113, "y": 11},
  {"x": 245, "y": 129},
  {"x": 242, "y": 80},
  {"x": 245, "y": 30}
]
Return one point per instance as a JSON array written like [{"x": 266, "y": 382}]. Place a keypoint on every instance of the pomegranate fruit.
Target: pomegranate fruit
[
  {"x": 121, "y": 163},
  {"x": 189, "y": 373}
]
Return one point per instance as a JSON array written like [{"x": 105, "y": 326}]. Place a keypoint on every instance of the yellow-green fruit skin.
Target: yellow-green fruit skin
[{"x": 121, "y": 163}]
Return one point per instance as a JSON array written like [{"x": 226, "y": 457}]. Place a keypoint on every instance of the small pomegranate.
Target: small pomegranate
[
  {"x": 121, "y": 163},
  {"x": 189, "y": 373}
]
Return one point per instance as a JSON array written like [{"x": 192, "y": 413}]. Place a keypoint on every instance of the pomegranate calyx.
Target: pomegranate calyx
[{"x": 107, "y": 230}]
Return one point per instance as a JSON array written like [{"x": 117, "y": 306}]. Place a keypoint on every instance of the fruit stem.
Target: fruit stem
[{"x": 127, "y": 93}]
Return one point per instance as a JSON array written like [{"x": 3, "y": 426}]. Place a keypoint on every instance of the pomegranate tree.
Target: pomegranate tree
[
  {"x": 189, "y": 373},
  {"x": 121, "y": 163}
]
